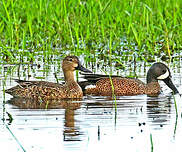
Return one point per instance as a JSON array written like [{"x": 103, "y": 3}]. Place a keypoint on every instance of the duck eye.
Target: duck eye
[
  {"x": 70, "y": 59},
  {"x": 164, "y": 71}
]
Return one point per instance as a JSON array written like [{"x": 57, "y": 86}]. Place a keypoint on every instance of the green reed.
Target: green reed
[
  {"x": 84, "y": 27},
  {"x": 16, "y": 139},
  {"x": 176, "y": 109},
  {"x": 151, "y": 142}
]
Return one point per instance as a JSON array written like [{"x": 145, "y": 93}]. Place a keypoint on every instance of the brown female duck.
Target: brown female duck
[
  {"x": 49, "y": 90},
  {"x": 120, "y": 86}
]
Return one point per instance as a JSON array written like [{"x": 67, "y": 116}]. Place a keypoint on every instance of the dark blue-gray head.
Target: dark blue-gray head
[{"x": 159, "y": 71}]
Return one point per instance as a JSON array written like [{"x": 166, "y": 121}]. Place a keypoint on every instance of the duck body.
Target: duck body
[
  {"x": 48, "y": 90},
  {"x": 123, "y": 87},
  {"x": 119, "y": 86}
]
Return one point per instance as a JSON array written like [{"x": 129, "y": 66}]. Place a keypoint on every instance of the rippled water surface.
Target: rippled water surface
[{"x": 136, "y": 123}]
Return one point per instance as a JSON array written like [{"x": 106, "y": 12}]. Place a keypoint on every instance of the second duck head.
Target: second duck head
[{"x": 159, "y": 71}]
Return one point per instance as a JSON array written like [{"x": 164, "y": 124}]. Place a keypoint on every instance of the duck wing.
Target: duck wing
[{"x": 26, "y": 84}]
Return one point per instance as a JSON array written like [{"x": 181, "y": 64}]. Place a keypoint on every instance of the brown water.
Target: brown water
[{"x": 93, "y": 124}]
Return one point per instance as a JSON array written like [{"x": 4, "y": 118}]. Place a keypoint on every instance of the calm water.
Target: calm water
[{"x": 92, "y": 124}]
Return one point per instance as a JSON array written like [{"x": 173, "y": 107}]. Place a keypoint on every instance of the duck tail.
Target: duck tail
[{"x": 12, "y": 90}]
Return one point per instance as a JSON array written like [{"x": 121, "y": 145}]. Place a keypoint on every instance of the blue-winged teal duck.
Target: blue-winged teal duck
[
  {"x": 129, "y": 86},
  {"x": 49, "y": 90}
]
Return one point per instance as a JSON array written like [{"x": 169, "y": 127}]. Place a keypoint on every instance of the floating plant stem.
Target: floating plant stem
[
  {"x": 176, "y": 121},
  {"x": 15, "y": 138},
  {"x": 98, "y": 132},
  {"x": 175, "y": 104},
  {"x": 151, "y": 142},
  {"x": 113, "y": 92},
  {"x": 114, "y": 97}
]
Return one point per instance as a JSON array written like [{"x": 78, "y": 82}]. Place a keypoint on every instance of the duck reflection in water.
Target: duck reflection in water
[
  {"x": 71, "y": 132},
  {"x": 158, "y": 111}
]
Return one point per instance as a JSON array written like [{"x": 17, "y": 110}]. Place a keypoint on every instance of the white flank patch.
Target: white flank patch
[
  {"x": 163, "y": 76},
  {"x": 90, "y": 86}
]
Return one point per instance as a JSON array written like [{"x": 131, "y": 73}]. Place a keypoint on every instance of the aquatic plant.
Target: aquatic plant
[
  {"x": 151, "y": 141},
  {"x": 49, "y": 27}
]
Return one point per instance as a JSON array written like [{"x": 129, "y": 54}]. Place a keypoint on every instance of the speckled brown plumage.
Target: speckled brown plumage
[
  {"x": 48, "y": 90},
  {"x": 128, "y": 86},
  {"x": 122, "y": 87}
]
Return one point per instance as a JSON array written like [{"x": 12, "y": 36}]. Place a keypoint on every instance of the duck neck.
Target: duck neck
[
  {"x": 69, "y": 76},
  {"x": 152, "y": 87},
  {"x": 150, "y": 77}
]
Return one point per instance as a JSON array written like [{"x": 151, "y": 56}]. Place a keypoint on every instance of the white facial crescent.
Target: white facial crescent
[{"x": 163, "y": 76}]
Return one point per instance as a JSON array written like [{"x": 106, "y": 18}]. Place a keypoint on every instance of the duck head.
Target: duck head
[
  {"x": 160, "y": 71},
  {"x": 72, "y": 63}
]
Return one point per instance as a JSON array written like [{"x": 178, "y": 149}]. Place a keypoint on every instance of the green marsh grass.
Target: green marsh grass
[{"x": 87, "y": 27}]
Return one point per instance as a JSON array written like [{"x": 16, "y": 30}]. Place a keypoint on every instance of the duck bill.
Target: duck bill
[
  {"x": 81, "y": 68},
  {"x": 170, "y": 84}
]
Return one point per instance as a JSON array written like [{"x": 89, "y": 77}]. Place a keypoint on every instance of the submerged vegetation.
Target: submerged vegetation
[{"x": 95, "y": 28}]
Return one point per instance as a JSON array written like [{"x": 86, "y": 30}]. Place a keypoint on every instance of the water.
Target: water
[{"x": 93, "y": 124}]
